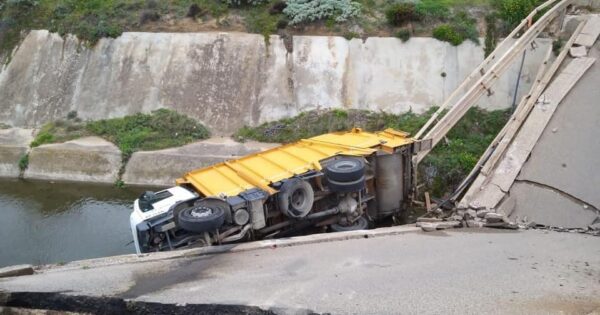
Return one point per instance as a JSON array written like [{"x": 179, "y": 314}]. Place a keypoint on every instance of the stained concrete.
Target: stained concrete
[
  {"x": 161, "y": 168},
  {"x": 227, "y": 80},
  {"x": 89, "y": 159},
  {"x": 14, "y": 144}
]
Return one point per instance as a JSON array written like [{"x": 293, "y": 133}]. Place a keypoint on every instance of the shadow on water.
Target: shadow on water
[{"x": 45, "y": 222}]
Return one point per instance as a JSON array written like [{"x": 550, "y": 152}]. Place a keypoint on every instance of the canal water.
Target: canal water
[{"x": 43, "y": 222}]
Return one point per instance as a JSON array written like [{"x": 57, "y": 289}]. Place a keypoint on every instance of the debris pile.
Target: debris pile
[{"x": 439, "y": 219}]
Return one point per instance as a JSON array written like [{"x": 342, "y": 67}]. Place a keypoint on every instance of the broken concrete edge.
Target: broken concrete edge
[
  {"x": 230, "y": 248},
  {"x": 46, "y": 303}
]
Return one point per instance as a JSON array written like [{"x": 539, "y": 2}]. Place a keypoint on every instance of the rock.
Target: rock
[
  {"x": 429, "y": 220},
  {"x": 472, "y": 213},
  {"x": 492, "y": 217},
  {"x": 161, "y": 168},
  {"x": 504, "y": 225},
  {"x": 448, "y": 225},
  {"x": 577, "y": 52},
  {"x": 433, "y": 226},
  {"x": 90, "y": 159},
  {"x": 482, "y": 213},
  {"x": 14, "y": 143},
  {"x": 456, "y": 217},
  {"x": 474, "y": 224},
  {"x": 461, "y": 213},
  {"x": 476, "y": 206},
  {"x": 15, "y": 271},
  {"x": 428, "y": 226}
]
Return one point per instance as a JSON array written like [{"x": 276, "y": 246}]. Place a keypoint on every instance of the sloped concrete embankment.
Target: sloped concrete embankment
[
  {"x": 93, "y": 159},
  {"x": 227, "y": 80},
  {"x": 89, "y": 159},
  {"x": 161, "y": 168},
  {"x": 14, "y": 144}
]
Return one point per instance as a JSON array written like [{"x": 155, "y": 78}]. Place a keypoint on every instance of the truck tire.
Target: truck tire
[
  {"x": 200, "y": 219},
  {"x": 360, "y": 224},
  {"x": 295, "y": 198},
  {"x": 345, "y": 169},
  {"x": 346, "y": 187}
]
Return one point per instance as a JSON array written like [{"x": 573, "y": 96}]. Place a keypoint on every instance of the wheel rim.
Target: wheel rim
[
  {"x": 298, "y": 199},
  {"x": 201, "y": 212},
  {"x": 345, "y": 165}
]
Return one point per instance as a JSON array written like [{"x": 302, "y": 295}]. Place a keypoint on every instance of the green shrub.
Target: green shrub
[
  {"x": 447, "y": 33},
  {"x": 350, "y": 35},
  {"x": 403, "y": 34},
  {"x": 44, "y": 136},
  {"x": 277, "y": 7},
  {"x": 302, "y": 11},
  {"x": 557, "y": 46},
  {"x": 24, "y": 162},
  {"x": 399, "y": 14},
  {"x": 460, "y": 28},
  {"x": 244, "y": 2},
  {"x": 514, "y": 11},
  {"x": 261, "y": 22},
  {"x": 159, "y": 130}
]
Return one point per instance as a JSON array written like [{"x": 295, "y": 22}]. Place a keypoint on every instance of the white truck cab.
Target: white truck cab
[{"x": 153, "y": 206}]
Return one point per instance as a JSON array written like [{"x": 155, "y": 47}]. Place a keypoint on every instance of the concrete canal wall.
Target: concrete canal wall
[
  {"x": 227, "y": 80},
  {"x": 93, "y": 159}
]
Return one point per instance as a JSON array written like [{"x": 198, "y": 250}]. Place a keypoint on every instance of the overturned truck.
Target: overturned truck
[{"x": 342, "y": 181}]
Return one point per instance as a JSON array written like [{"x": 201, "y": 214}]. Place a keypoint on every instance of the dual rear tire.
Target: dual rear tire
[{"x": 345, "y": 175}]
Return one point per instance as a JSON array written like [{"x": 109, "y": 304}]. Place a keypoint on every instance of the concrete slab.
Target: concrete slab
[
  {"x": 577, "y": 52},
  {"x": 90, "y": 159},
  {"x": 549, "y": 207},
  {"x": 451, "y": 272},
  {"x": 566, "y": 155},
  {"x": 590, "y": 32},
  {"x": 14, "y": 144},
  {"x": 161, "y": 168}
]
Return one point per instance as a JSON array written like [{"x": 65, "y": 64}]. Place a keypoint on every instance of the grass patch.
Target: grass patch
[
  {"x": 441, "y": 171},
  {"x": 313, "y": 123},
  {"x": 161, "y": 129}
]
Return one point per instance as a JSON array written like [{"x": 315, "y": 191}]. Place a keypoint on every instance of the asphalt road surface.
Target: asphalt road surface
[{"x": 454, "y": 272}]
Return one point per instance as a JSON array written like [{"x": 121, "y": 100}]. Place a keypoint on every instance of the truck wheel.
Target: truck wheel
[
  {"x": 345, "y": 187},
  {"x": 295, "y": 198},
  {"x": 345, "y": 170},
  {"x": 200, "y": 219},
  {"x": 360, "y": 224}
]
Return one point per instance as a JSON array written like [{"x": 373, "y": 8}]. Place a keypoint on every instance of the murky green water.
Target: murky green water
[{"x": 43, "y": 222}]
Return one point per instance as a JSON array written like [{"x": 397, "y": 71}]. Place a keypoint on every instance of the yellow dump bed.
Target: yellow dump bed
[{"x": 259, "y": 170}]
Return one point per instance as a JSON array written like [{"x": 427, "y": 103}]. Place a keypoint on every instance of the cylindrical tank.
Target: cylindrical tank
[{"x": 389, "y": 182}]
